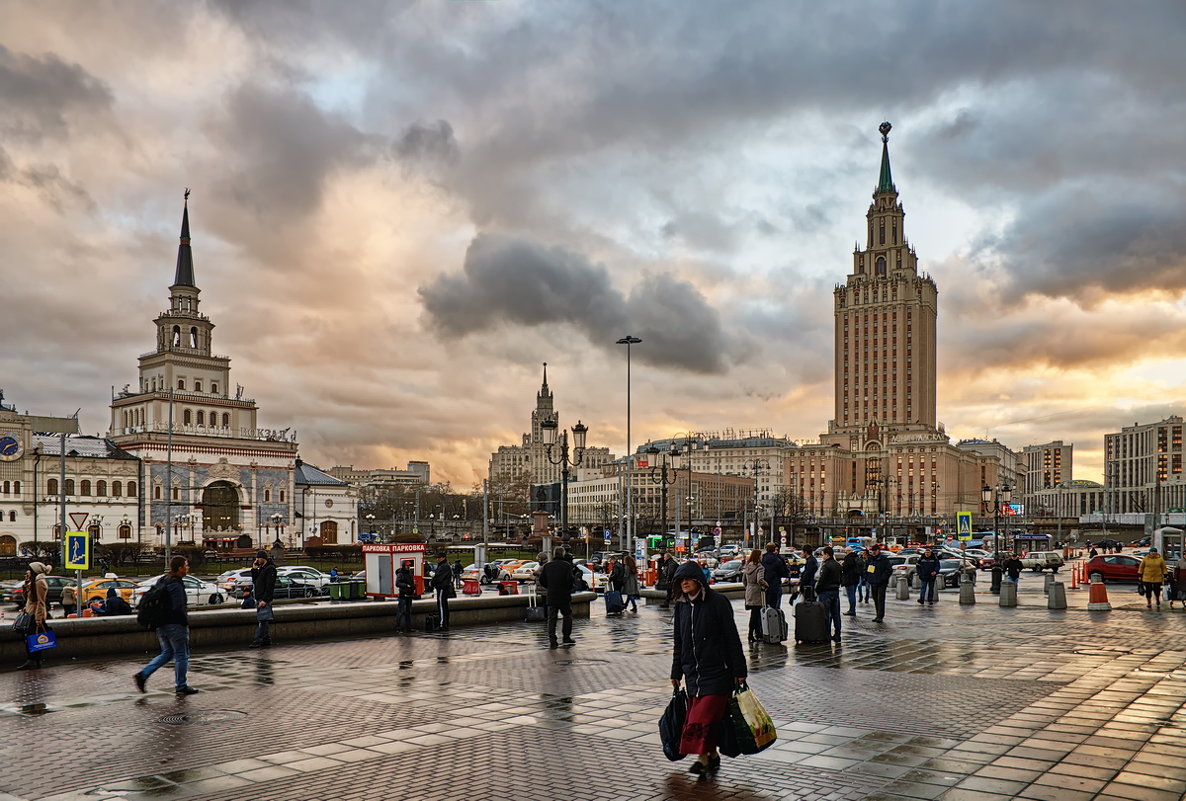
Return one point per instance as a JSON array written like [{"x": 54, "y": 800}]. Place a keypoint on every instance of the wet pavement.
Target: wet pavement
[{"x": 947, "y": 702}]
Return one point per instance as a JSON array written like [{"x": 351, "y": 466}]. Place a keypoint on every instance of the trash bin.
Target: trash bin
[
  {"x": 358, "y": 590},
  {"x": 337, "y": 590}
]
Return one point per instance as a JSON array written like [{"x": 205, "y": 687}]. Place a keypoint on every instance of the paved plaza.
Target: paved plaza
[{"x": 950, "y": 702}]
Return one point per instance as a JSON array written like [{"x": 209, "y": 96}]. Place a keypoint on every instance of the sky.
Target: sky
[{"x": 400, "y": 210}]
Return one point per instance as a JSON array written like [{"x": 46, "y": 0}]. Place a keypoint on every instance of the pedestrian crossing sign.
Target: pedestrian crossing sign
[
  {"x": 963, "y": 525},
  {"x": 78, "y": 551}
]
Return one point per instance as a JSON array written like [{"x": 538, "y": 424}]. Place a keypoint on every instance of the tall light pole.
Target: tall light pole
[
  {"x": 548, "y": 428},
  {"x": 1001, "y": 492},
  {"x": 659, "y": 476},
  {"x": 628, "y": 341},
  {"x": 758, "y": 466}
]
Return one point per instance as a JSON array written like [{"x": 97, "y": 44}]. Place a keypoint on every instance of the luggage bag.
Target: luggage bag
[
  {"x": 811, "y": 622},
  {"x": 774, "y": 625},
  {"x": 613, "y": 602}
]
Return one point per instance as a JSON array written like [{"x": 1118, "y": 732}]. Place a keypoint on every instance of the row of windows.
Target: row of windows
[
  {"x": 157, "y": 494},
  {"x": 100, "y": 488},
  {"x": 11, "y": 488},
  {"x": 187, "y": 418},
  {"x": 160, "y": 382}
]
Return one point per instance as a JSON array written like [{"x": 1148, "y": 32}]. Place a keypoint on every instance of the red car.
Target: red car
[{"x": 1113, "y": 567}]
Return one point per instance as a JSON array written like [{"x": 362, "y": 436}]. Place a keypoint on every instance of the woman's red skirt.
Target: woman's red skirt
[{"x": 702, "y": 726}]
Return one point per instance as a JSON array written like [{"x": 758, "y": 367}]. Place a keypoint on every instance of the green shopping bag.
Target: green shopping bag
[{"x": 748, "y": 728}]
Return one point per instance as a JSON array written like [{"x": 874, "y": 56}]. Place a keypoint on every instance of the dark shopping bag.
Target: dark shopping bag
[
  {"x": 671, "y": 725},
  {"x": 747, "y": 727},
  {"x": 23, "y": 623},
  {"x": 41, "y": 641}
]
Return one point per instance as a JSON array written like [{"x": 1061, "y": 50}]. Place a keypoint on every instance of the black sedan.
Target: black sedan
[
  {"x": 949, "y": 571},
  {"x": 285, "y": 588}
]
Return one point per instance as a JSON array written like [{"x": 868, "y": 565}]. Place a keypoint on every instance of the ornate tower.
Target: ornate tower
[{"x": 885, "y": 317}]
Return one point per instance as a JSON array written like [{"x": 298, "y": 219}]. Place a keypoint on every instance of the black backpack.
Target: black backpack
[{"x": 153, "y": 609}]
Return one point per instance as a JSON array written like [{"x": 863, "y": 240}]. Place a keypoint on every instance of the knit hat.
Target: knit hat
[
  {"x": 261, "y": 554},
  {"x": 38, "y": 567}
]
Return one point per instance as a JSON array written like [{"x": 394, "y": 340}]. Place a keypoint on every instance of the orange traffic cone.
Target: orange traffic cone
[{"x": 1098, "y": 600}]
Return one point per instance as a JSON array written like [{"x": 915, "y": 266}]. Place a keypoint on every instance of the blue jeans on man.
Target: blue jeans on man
[
  {"x": 851, "y": 592},
  {"x": 863, "y": 590},
  {"x": 927, "y": 593},
  {"x": 831, "y": 601},
  {"x": 174, "y": 640},
  {"x": 263, "y": 620}
]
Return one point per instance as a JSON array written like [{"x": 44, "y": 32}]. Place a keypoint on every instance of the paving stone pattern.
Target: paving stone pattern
[{"x": 953, "y": 703}]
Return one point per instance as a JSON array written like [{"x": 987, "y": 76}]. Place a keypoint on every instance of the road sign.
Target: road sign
[
  {"x": 79, "y": 519},
  {"x": 963, "y": 525},
  {"x": 78, "y": 550},
  {"x": 607, "y": 535}
]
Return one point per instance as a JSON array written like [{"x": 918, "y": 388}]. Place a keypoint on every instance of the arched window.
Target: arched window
[
  {"x": 881, "y": 265},
  {"x": 213, "y": 417},
  {"x": 267, "y": 496},
  {"x": 7, "y": 487},
  {"x": 213, "y": 389},
  {"x": 201, "y": 418},
  {"x": 154, "y": 385},
  {"x": 131, "y": 489},
  {"x": 176, "y": 336},
  {"x": 181, "y": 383},
  {"x": 101, "y": 489},
  {"x": 226, "y": 420},
  {"x": 197, "y": 385},
  {"x": 125, "y": 532},
  {"x": 176, "y": 494},
  {"x": 156, "y": 492},
  {"x": 16, "y": 487},
  {"x": 117, "y": 488},
  {"x": 281, "y": 496},
  {"x": 186, "y": 417},
  {"x": 86, "y": 486},
  {"x": 193, "y": 338},
  {"x": 69, "y": 486},
  {"x": 51, "y": 487},
  {"x": 12, "y": 517}
]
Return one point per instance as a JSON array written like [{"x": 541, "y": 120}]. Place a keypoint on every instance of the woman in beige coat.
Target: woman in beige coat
[
  {"x": 754, "y": 581},
  {"x": 36, "y": 591}
]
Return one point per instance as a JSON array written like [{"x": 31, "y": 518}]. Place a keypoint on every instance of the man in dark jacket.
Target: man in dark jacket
[
  {"x": 558, "y": 579},
  {"x": 927, "y": 569},
  {"x": 263, "y": 583},
  {"x": 807, "y": 574},
  {"x": 115, "y": 605},
  {"x": 665, "y": 581},
  {"x": 707, "y": 656},
  {"x": 442, "y": 582},
  {"x": 827, "y": 589},
  {"x": 776, "y": 570},
  {"x": 878, "y": 571},
  {"x": 1012, "y": 568},
  {"x": 850, "y": 578},
  {"x": 173, "y": 634},
  {"x": 405, "y": 586}
]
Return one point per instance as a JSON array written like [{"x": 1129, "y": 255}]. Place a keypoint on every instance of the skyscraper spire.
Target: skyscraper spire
[
  {"x": 185, "y": 257},
  {"x": 885, "y": 182}
]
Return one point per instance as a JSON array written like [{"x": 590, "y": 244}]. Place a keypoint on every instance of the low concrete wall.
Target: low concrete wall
[{"x": 212, "y": 629}]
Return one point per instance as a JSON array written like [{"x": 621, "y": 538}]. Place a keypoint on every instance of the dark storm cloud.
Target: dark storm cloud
[
  {"x": 39, "y": 93},
  {"x": 429, "y": 142},
  {"x": 507, "y": 281}
]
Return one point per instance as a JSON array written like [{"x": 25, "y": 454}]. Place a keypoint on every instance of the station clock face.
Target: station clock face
[{"x": 11, "y": 447}]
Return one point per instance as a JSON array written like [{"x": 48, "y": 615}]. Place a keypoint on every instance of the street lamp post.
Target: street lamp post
[
  {"x": 276, "y": 518},
  {"x": 995, "y": 495},
  {"x": 629, "y": 341},
  {"x": 579, "y": 432},
  {"x": 756, "y": 467},
  {"x": 659, "y": 476},
  {"x": 370, "y": 523}
]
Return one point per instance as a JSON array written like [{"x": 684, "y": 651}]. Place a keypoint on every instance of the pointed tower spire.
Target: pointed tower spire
[
  {"x": 545, "y": 375},
  {"x": 885, "y": 182},
  {"x": 185, "y": 257}
]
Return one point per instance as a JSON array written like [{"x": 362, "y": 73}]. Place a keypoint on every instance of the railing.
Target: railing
[{"x": 184, "y": 394}]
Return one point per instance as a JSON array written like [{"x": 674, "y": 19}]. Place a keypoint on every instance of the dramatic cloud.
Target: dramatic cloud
[{"x": 40, "y": 94}]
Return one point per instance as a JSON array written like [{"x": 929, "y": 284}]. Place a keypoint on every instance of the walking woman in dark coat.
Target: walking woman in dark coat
[{"x": 708, "y": 657}]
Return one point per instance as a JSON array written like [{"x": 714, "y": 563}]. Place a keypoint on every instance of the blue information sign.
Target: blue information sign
[{"x": 78, "y": 551}]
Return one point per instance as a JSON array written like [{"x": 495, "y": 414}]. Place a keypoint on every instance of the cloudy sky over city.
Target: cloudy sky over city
[{"x": 400, "y": 210}]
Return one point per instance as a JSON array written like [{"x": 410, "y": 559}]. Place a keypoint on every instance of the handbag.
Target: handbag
[
  {"x": 264, "y": 613},
  {"x": 41, "y": 641},
  {"x": 671, "y": 725},
  {"x": 23, "y": 623},
  {"x": 748, "y": 728}
]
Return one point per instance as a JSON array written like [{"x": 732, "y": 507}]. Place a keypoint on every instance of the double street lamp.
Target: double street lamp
[
  {"x": 658, "y": 472},
  {"x": 756, "y": 467},
  {"x": 996, "y": 495},
  {"x": 549, "y": 430}
]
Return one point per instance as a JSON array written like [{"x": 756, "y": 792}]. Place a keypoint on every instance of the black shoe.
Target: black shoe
[
  {"x": 260, "y": 644},
  {"x": 920, "y": 601},
  {"x": 186, "y": 690},
  {"x": 29, "y": 664},
  {"x": 698, "y": 768},
  {"x": 553, "y": 644},
  {"x": 714, "y": 762},
  {"x": 835, "y": 639},
  {"x": 878, "y": 619},
  {"x": 850, "y": 614},
  {"x": 569, "y": 641},
  {"x": 140, "y": 680}
]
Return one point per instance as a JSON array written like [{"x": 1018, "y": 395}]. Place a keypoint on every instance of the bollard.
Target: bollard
[
  {"x": 967, "y": 591},
  {"x": 1008, "y": 594},
  {"x": 1057, "y": 597},
  {"x": 1097, "y": 601},
  {"x": 997, "y": 575},
  {"x": 1046, "y": 583},
  {"x": 903, "y": 589},
  {"x": 1074, "y": 577}
]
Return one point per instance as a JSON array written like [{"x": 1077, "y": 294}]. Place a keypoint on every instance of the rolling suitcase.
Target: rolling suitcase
[
  {"x": 613, "y": 602},
  {"x": 535, "y": 613},
  {"x": 774, "y": 625},
  {"x": 811, "y": 622}
]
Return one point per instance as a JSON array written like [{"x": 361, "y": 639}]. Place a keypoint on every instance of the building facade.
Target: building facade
[
  {"x": 209, "y": 473},
  {"x": 1143, "y": 468}
]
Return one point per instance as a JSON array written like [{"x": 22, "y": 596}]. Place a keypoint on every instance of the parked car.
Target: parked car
[
  {"x": 729, "y": 571},
  {"x": 1112, "y": 567},
  {"x": 97, "y": 588},
  {"x": 197, "y": 592},
  {"x": 1038, "y": 561},
  {"x": 950, "y": 569},
  {"x": 230, "y": 578},
  {"x": 286, "y": 587},
  {"x": 306, "y": 575},
  {"x": 903, "y": 564},
  {"x": 525, "y": 572},
  {"x": 15, "y": 592}
]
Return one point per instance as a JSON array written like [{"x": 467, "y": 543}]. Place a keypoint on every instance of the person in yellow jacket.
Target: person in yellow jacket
[{"x": 1151, "y": 572}]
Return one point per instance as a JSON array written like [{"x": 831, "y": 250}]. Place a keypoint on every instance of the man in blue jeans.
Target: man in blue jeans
[
  {"x": 173, "y": 634},
  {"x": 827, "y": 590}
]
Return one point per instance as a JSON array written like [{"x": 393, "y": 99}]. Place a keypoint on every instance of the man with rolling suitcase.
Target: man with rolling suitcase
[{"x": 827, "y": 588}]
